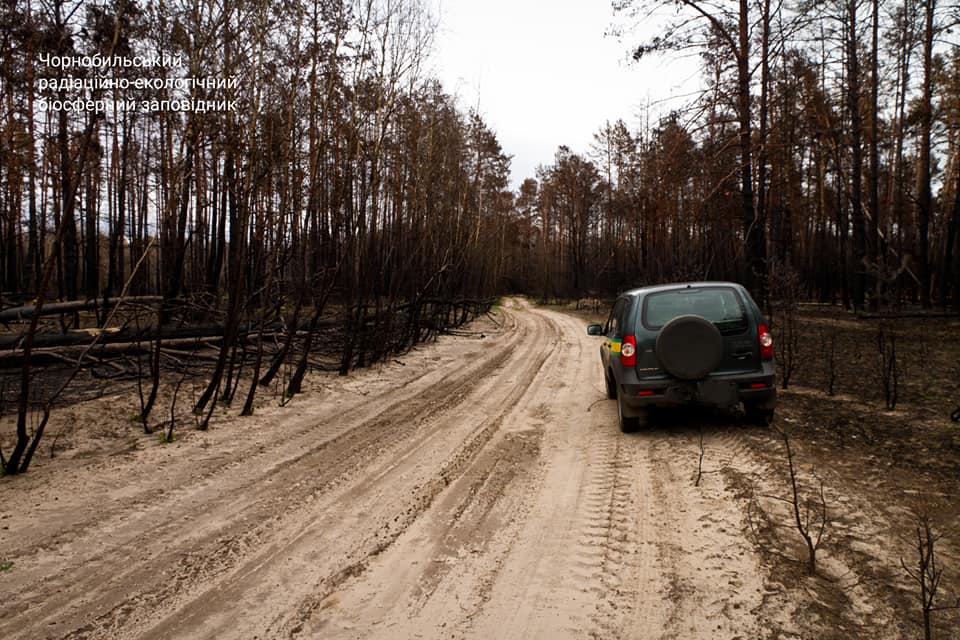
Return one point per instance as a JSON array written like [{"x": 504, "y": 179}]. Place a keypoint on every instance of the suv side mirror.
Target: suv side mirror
[{"x": 594, "y": 330}]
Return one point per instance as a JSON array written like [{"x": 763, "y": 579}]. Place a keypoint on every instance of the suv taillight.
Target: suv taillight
[
  {"x": 628, "y": 351},
  {"x": 766, "y": 342}
]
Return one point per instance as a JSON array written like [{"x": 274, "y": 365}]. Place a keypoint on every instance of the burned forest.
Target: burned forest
[
  {"x": 289, "y": 348},
  {"x": 240, "y": 194},
  {"x": 318, "y": 195}
]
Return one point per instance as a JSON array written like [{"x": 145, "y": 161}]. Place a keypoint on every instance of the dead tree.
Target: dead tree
[
  {"x": 928, "y": 570},
  {"x": 786, "y": 287},
  {"x": 887, "y": 361},
  {"x": 809, "y": 513}
]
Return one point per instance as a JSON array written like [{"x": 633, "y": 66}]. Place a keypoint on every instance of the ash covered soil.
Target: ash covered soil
[{"x": 479, "y": 488}]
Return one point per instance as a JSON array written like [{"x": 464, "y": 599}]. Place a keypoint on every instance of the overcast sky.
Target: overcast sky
[{"x": 544, "y": 74}]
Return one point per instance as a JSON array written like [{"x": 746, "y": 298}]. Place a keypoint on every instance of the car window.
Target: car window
[
  {"x": 622, "y": 321},
  {"x": 720, "y": 305},
  {"x": 613, "y": 324}
]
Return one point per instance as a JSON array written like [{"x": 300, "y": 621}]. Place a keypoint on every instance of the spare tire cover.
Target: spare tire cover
[{"x": 689, "y": 347}]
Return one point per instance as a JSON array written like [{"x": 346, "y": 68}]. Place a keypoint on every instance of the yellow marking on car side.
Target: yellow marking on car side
[{"x": 613, "y": 345}]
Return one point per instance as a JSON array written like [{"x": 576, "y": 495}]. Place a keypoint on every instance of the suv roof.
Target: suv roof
[{"x": 681, "y": 285}]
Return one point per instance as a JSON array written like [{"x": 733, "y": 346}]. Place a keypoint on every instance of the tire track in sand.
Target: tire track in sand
[
  {"x": 438, "y": 574},
  {"x": 477, "y": 486},
  {"x": 579, "y": 564}
]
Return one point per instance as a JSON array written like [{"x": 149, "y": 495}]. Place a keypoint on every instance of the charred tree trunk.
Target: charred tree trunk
[
  {"x": 856, "y": 159},
  {"x": 951, "y": 259},
  {"x": 296, "y": 381},
  {"x": 924, "y": 195},
  {"x": 68, "y": 220},
  {"x": 764, "y": 110},
  {"x": 874, "y": 250},
  {"x": 754, "y": 226},
  {"x": 16, "y": 462},
  {"x": 237, "y": 252}
]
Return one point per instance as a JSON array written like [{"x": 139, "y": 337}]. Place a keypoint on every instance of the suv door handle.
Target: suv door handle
[{"x": 742, "y": 355}]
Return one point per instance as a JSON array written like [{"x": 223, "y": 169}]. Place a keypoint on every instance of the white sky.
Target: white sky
[{"x": 544, "y": 74}]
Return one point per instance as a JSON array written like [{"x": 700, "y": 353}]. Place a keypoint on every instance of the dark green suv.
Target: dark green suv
[{"x": 695, "y": 343}]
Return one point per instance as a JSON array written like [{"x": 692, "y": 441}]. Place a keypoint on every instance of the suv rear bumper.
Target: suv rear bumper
[{"x": 757, "y": 389}]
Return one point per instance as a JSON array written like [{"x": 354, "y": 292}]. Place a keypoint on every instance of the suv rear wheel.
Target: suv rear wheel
[
  {"x": 759, "y": 416},
  {"x": 611, "y": 386},
  {"x": 628, "y": 424}
]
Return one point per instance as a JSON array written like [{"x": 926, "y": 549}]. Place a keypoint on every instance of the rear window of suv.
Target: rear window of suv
[{"x": 720, "y": 305}]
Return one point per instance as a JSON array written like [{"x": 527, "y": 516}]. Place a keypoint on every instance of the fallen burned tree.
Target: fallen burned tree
[
  {"x": 26, "y": 312},
  {"x": 177, "y": 341},
  {"x": 114, "y": 335}
]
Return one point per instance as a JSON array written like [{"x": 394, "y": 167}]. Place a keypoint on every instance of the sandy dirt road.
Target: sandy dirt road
[{"x": 477, "y": 488}]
